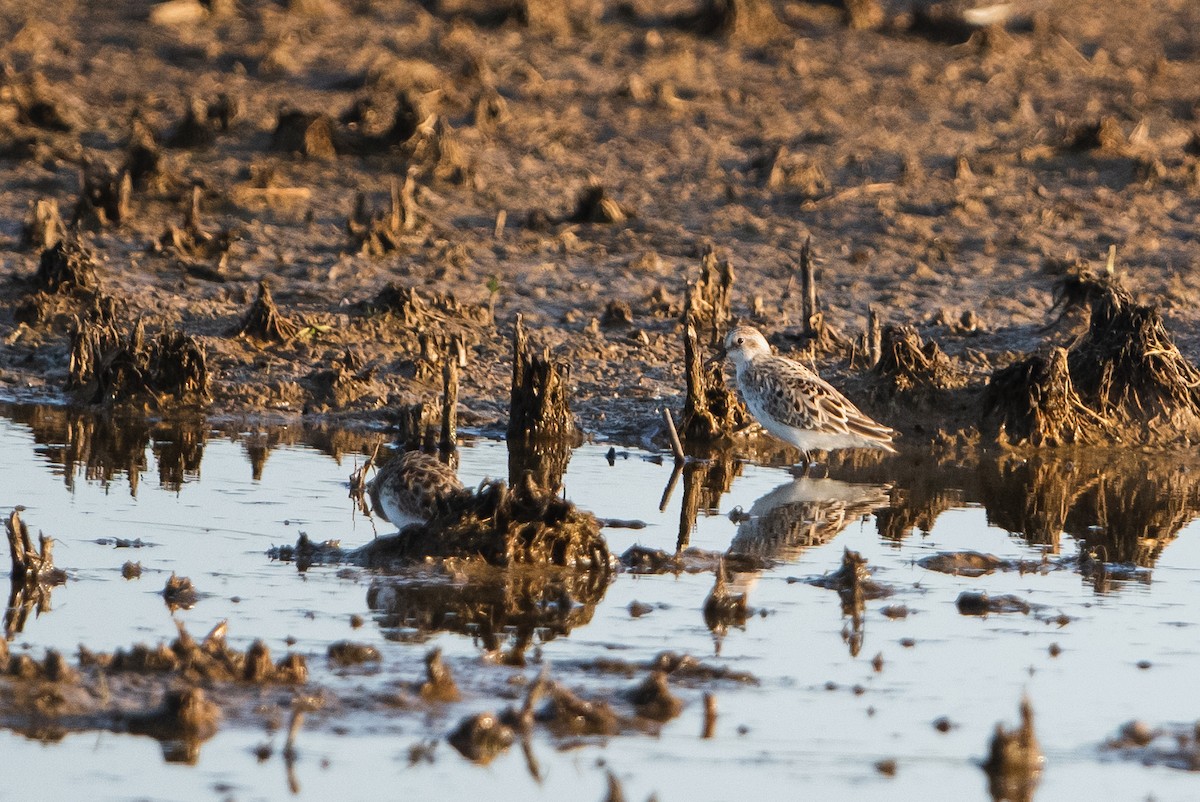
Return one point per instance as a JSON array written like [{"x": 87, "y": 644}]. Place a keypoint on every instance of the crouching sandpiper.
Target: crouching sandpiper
[{"x": 411, "y": 488}]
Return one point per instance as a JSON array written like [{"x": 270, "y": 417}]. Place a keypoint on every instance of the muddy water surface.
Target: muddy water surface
[{"x": 1100, "y": 645}]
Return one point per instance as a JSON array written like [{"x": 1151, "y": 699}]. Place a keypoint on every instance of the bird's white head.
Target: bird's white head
[{"x": 745, "y": 343}]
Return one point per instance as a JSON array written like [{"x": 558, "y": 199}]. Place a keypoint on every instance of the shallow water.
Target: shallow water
[{"x": 207, "y": 506}]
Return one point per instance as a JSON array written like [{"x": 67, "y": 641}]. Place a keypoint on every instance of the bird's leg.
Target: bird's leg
[{"x": 801, "y": 471}]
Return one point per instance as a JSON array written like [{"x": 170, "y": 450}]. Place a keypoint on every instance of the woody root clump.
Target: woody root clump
[
  {"x": 1123, "y": 379},
  {"x": 109, "y": 366}
]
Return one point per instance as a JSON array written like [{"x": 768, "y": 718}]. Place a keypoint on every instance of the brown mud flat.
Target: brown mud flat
[{"x": 408, "y": 177}]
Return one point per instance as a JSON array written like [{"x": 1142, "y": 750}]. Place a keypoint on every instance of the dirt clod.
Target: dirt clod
[
  {"x": 179, "y": 593},
  {"x": 348, "y": 653},
  {"x": 303, "y": 133},
  {"x": 652, "y": 698},
  {"x": 110, "y": 367},
  {"x": 480, "y": 738},
  {"x": 1034, "y": 402},
  {"x": 908, "y": 364},
  {"x": 103, "y": 197}
]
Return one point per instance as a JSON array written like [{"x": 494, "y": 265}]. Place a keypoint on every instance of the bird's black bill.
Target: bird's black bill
[{"x": 717, "y": 357}]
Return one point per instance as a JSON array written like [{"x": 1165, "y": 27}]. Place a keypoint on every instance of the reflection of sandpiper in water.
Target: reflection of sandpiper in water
[
  {"x": 796, "y": 405},
  {"x": 803, "y": 513}
]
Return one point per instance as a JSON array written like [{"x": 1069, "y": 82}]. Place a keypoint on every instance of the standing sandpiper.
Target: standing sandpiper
[
  {"x": 411, "y": 488},
  {"x": 796, "y": 405}
]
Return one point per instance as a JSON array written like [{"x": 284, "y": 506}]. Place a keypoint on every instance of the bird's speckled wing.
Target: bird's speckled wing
[
  {"x": 416, "y": 481},
  {"x": 795, "y": 396}
]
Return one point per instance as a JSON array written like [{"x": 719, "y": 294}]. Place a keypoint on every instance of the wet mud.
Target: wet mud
[{"x": 437, "y": 163}]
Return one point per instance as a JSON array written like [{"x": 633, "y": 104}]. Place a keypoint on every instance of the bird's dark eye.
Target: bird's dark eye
[{"x": 741, "y": 340}]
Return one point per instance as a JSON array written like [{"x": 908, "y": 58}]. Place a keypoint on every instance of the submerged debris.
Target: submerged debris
[
  {"x": 185, "y": 714},
  {"x": 1174, "y": 745},
  {"x": 33, "y": 574},
  {"x": 264, "y": 321},
  {"x": 210, "y": 660},
  {"x": 971, "y": 602},
  {"x": 722, "y": 608},
  {"x": 1014, "y": 762},
  {"x": 653, "y": 699},
  {"x": 492, "y": 605},
  {"x": 439, "y": 685},
  {"x": 853, "y": 582},
  {"x": 962, "y": 563},
  {"x": 349, "y": 653},
  {"x": 644, "y": 560},
  {"x": 567, "y": 714}
]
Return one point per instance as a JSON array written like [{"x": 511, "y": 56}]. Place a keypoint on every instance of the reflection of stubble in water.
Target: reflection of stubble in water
[{"x": 490, "y": 604}]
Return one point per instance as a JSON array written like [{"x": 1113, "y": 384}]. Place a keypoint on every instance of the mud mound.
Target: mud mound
[
  {"x": 210, "y": 660},
  {"x": 380, "y": 232},
  {"x": 412, "y": 309},
  {"x": 44, "y": 226},
  {"x": 502, "y": 526}
]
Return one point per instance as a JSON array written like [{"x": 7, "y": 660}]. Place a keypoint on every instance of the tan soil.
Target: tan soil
[{"x": 935, "y": 178}]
